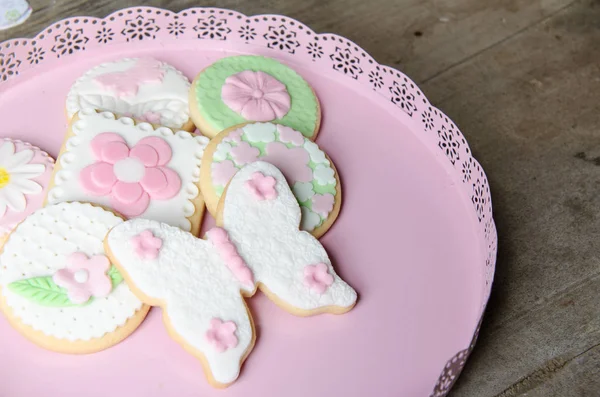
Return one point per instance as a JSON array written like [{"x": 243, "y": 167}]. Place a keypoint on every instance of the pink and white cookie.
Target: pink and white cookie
[
  {"x": 57, "y": 286},
  {"x": 201, "y": 284},
  {"x": 144, "y": 88},
  {"x": 25, "y": 173},
  {"x": 134, "y": 169},
  {"x": 309, "y": 171}
]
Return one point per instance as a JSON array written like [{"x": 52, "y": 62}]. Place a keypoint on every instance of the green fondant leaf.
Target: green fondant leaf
[
  {"x": 41, "y": 290},
  {"x": 115, "y": 276},
  {"x": 303, "y": 114}
]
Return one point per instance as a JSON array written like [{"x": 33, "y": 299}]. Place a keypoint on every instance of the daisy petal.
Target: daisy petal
[
  {"x": 21, "y": 158},
  {"x": 26, "y": 186},
  {"x": 6, "y": 150},
  {"x": 14, "y": 198},
  {"x": 28, "y": 171}
]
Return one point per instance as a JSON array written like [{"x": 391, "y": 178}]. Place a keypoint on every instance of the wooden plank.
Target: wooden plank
[
  {"x": 422, "y": 38},
  {"x": 529, "y": 108}
]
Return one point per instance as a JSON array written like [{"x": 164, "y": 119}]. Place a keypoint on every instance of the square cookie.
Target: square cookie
[{"x": 133, "y": 169}]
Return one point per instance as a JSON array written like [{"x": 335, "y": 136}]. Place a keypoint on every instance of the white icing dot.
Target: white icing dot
[
  {"x": 81, "y": 276},
  {"x": 129, "y": 170}
]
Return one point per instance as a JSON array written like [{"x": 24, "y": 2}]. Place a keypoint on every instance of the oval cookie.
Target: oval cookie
[
  {"x": 310, "y": 173},
  {"x": 245, "y": 88},
  {"x": 25, "y": 173},
  {"x": 58, "y": 287},
  {"x": 144, "y": 88}
]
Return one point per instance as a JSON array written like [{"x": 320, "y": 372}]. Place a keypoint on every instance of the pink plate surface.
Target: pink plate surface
[{"x": 415, "y": 237}]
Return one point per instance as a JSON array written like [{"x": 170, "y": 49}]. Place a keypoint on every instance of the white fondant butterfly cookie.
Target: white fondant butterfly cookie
[{"x": 201, "y": 283}]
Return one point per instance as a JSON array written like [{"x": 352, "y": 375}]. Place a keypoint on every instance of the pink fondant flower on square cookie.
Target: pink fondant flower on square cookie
[
  {"x": 84, "y": 277},
  {"x": 131, "y": 177},
  {"x": 256, "y": 96},
  {"x": 222, "y": 334},
  {"x": 317, "y": 277}
]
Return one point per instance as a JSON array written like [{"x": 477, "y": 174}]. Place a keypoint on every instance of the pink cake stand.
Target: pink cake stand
[{"x": 415, "y": 236}]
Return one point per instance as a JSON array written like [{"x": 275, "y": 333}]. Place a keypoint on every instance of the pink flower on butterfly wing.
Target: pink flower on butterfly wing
[
  {"x": 293, "y": 162},
  {"x": 127, "y": 83},
  {"x": 146, "y": 245},
  {"x": 222, "y": 334},
  {"x": 131, "y": 177},
  {"x": 256, "y": 96},
  {"x": 262, "y": 187},
  {"x": 84, "y": 277},
  {"x": 317, "y": 277}
]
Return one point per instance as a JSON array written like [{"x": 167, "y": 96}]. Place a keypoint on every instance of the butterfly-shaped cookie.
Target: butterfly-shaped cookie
[{"x": 201, "y": 283}]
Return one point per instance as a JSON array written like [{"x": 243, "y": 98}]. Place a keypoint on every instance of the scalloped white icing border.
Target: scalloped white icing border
[{"x": 67, "y": 189}]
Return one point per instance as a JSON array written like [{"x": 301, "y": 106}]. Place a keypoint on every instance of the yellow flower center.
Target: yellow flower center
[{"x": 4, "y": 177}]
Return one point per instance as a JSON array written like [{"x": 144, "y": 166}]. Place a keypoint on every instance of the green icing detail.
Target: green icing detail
[
  {"x": 322, "y": 189},
  {"x": 303, "y": 114},
  {"x": 115, "y": 276},
  {"x": 44, "y": 291}
]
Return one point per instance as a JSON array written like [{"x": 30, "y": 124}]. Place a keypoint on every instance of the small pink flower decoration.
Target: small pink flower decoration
[
  {"x": 131, "y": 177},
  {"x": 244, "y": 153},
  {"x": 262, "y": 187},
  {"x": 234, "y": 136},
  {"x": 322, "y": 204},
  {"x": 293, "y": 162},
  {"x": 257, "y": 96},
  {"x": 84, "y": 277},
  {"x": 151, "y": 117},
  {"x": 317, "y": 277},
  {"x": 146, "y": 245},
  {"x": 222, "y": 334},
  {"x": 222, "y": 172},
  {"x": 290, "y": 135}
]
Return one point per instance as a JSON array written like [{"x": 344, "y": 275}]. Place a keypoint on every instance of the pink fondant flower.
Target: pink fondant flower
[
  {"x": 317, "y": 277},
  {"x": 293, "y": 162},
  {"x": 222, "y": 334},
  {"x": 151, "y": 117},
  {"x": 290, "y": 135},
  {"x": 127, "y": 83},
  {"x": 84, "y": 277},
  {"x": 262, "y": 187},
  {"x": 146, "y": 245},
  {"x": 244, "y": 153},
  {"x": 257, "y": 96},
  {"x": 222, "y": 172},
  {"x": 322, "y": 204},
  {"x": 234, "y": 136},
  {"x": 131, "y": 177}
]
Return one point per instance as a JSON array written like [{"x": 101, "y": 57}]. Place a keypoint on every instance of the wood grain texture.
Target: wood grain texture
[{"x": 521, "y": 78}]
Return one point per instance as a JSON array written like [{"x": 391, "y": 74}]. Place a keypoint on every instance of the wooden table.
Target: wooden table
[{"x": 521, "y": 78}]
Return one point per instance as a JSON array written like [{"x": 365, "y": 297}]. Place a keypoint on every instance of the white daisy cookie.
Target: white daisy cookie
[{"x": 25, "y": 173}]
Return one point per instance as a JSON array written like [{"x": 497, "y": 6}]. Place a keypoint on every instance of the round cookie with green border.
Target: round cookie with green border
[
  {"x": 246, "y": 88},
  {"x": 309, "y": 171}
]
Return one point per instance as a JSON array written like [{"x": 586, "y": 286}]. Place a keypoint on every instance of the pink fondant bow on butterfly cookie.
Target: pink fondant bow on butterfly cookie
[{"x": 198, "y": 282}]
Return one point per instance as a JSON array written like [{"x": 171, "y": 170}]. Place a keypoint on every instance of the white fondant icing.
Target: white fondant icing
[
  {"x": 168, "y": 98},
  {"x": 129, "y": 170},
  {"x": 316, "y": 155},
  {"x": 324, "y": 175},
  {"x": 310, "y": 220},
  {"x": 303, "y": 191},
  {"x": 187, "y": 152},
  {"x": 39, "y": 246},
  {"x": 196, "y": 285},
  {"x": 260, "y": 132}
]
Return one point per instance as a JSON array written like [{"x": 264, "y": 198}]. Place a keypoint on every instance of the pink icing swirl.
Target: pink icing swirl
[
  {"x": 256, "y": 96},
  {"x": 219, "y": 237}
]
